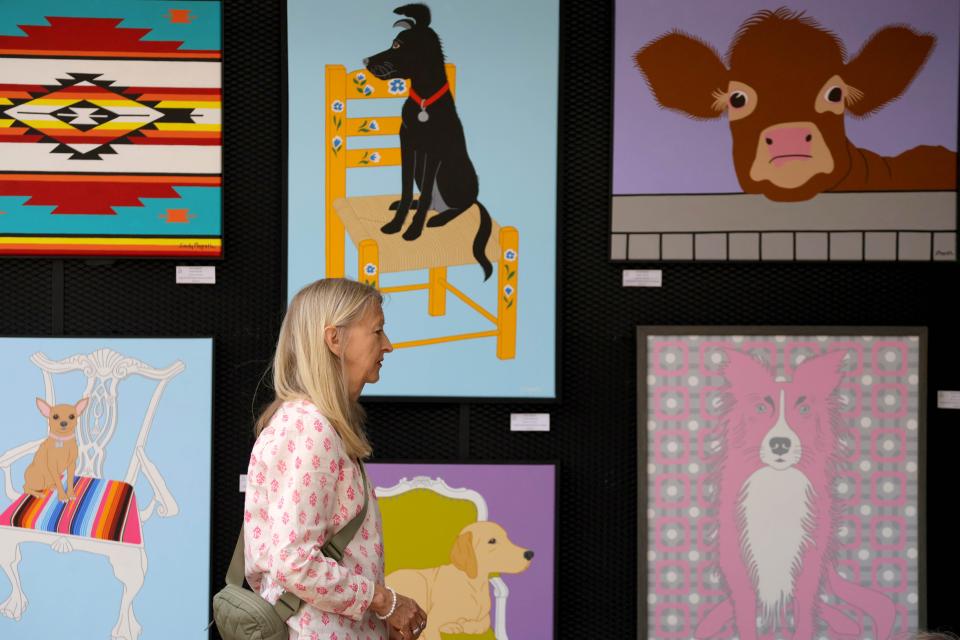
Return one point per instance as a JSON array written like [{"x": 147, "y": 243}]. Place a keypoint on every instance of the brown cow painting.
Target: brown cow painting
[{"x": 786, "y": 86}]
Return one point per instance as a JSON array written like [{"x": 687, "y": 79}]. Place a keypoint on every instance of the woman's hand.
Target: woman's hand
[{"x": 407, "y": 621}]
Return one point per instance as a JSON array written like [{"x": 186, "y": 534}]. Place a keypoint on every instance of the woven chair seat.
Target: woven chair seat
[{"x": 446, "y": 246}]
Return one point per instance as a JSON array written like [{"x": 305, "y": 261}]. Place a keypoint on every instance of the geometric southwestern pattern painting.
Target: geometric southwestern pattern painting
[
  {"x": 110, "y": 140},
  {"x": 783, "y": 495}
]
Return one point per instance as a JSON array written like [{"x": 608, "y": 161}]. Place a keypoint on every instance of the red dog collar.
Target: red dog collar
[
  {"x": 422, "y": 116},
  {"x": 429, "y": 101}
]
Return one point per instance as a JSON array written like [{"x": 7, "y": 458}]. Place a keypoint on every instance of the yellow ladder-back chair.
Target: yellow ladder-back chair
[{"x": 362, "y": 217}]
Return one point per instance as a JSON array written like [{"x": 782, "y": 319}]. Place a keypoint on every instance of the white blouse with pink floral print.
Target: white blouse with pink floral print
[{"x": 301, "y": 489}]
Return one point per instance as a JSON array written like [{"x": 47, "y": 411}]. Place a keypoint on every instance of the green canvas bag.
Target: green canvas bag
[{"x": 241, "y": 614}]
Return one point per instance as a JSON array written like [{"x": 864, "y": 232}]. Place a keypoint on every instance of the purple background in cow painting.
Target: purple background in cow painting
[
  {"x": 520, "y": 498},
  {"x": 663, "y": 151}
]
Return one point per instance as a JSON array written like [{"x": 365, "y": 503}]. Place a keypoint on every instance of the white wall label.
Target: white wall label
[
  {"x": 529, "y": 422},
  {"x": 948, "y": 399},
  {"x": 643, "y": 277},
  {"x": 196, "y": 275}
]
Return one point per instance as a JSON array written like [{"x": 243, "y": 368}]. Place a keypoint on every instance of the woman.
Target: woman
[{"x": 305, "y": 481}]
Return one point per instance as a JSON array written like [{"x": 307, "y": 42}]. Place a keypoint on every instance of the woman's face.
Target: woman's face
[{"x": 366, "y": 344}]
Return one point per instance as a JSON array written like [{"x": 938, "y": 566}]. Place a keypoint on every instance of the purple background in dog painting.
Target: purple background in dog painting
[
  {"x": 652, "y": 146},
  {"x": 520, "y": 498}
]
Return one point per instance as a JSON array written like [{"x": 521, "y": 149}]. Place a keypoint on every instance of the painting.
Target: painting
[
  {"x": 105, "y": 462},
  {"x": 783, "y": 475},
  {"x": 418, "y": 165},
  {"x": 791, "y": 131},
  {"x": 484, "y": 568},
  {"x": 110, "y": 129}
]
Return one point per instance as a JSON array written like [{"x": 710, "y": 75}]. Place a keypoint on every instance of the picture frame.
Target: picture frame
[
  {"x": 689, "y": 187},
  {"x": 503, "y": 322},
  {"x": 141, "y": 440},
  {"x": 514, "y": 504},
  {"x": 110, "y": 130}
]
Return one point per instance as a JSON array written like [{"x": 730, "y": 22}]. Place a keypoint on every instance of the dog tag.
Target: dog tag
[
  {"x": 59, "y": 445},
  {"x": 423, "y": 116}
]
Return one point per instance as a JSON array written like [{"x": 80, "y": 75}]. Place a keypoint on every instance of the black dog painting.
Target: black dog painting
[
  {"x": 433, "y": 148},
  {"x": 397, "y": 114}
]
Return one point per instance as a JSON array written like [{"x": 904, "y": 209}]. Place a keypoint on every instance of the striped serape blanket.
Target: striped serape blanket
[{"x": 102, "y": 509}]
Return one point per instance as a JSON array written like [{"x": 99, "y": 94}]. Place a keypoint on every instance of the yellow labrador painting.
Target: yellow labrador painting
[
  {"x": 473, "y": 543},
  {"x": 456, "y": 596}
]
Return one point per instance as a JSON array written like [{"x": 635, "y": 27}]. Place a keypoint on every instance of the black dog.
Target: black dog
[{"x": 432, "y": 146}]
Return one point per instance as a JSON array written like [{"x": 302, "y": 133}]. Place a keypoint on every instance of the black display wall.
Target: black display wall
[{"x": 593, "y": 433}]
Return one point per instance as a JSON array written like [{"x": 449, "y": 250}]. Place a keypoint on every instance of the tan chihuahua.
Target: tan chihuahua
[{"x": 57, "y": 454}]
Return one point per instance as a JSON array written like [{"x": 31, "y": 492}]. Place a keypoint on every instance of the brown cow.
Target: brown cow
[{"x": 785, "y": 89}]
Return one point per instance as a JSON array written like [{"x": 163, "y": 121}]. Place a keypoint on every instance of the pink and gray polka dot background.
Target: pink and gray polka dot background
[{"x": 877, "y": 489}]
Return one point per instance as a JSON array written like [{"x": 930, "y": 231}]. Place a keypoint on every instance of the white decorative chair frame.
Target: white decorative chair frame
[
  {"x": 437, "y": 485},
  {"x": 104, "y": 370}
]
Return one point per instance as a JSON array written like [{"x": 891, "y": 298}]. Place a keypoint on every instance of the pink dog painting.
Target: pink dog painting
[{"x": 777, "y": 514}]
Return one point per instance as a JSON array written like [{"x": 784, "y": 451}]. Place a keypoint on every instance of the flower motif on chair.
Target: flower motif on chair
[
  {"x": 369, "y": 158},
  {"x": 360, "y": 83},
  {"x": 508, "y": 293}
]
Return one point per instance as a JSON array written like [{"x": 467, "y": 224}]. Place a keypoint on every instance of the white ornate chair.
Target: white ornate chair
[
  {"x": 446, "y": 523},
  {"x": 47, "y": 521}
]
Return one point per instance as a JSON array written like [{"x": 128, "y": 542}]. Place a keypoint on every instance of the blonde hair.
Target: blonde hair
[{"x": 304, "y": 367}]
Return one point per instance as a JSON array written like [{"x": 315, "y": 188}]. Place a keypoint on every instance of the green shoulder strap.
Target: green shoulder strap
[
  {"x": 288, "y": 603},
  {"x": 334, "y": 547}
]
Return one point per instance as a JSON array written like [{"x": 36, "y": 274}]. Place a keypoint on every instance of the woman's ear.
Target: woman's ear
[{"x": 332, "y": 337}]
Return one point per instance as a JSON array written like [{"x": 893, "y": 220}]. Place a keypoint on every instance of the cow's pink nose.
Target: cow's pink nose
[{"x": 788, "y": 143}]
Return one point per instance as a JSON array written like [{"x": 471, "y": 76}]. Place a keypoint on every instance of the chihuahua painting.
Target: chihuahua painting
[{"x": 57, "y": 455}]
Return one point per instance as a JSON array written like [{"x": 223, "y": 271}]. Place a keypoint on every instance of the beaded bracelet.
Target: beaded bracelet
[{"x": 393, "y": 607}]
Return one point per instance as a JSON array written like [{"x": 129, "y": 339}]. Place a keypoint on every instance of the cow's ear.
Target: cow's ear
[
  {"x": 886, "y": 66},
  {"x": 684, "y": 73}
]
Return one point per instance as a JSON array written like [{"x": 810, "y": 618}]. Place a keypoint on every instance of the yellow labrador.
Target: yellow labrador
[{"x": 456, "y": 596}]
